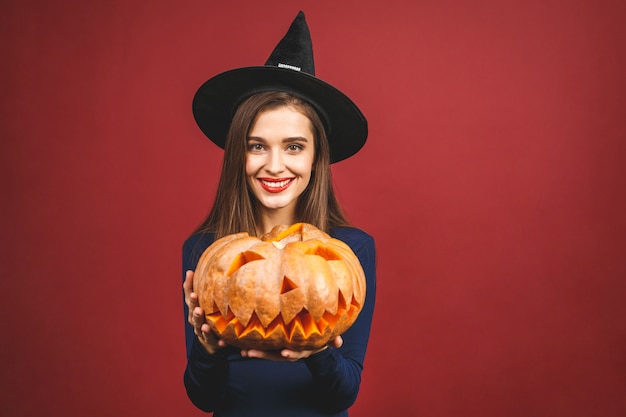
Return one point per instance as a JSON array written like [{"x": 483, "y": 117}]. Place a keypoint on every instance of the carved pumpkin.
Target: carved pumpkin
[{"x": 295, "y": 287}]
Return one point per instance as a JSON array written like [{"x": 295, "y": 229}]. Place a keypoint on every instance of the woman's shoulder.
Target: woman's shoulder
[
  {"x": 361, "y": 243},
  {"x": 352, "y": 236},
  {"x": 194, "y": 246},
  {"x": 198, "y": 239}
]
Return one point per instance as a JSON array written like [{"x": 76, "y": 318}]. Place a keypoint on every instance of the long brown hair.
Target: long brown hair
[{"x": 233, "y": 209}]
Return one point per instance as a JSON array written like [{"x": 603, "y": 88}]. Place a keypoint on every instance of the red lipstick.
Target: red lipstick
[{"x": 275, "y": 185}]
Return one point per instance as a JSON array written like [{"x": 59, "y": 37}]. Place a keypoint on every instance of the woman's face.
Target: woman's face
[{"x": 279, "y": 158}]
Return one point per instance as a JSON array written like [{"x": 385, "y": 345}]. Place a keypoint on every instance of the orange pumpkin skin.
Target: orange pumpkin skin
[{"x": 295, "y": 287}]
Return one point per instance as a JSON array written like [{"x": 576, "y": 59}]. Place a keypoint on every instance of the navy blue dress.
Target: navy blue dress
[{"x": 324, "y": 384}]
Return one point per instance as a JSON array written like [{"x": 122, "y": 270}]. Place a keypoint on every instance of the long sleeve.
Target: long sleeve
[
  {"x": 205, "y": 374},
  {"x": 337, "y": 372},
  {"x": 205, "y": 377}
]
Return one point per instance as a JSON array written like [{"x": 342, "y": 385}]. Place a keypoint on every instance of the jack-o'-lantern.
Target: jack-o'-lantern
[{"x": 295, "y": 287}]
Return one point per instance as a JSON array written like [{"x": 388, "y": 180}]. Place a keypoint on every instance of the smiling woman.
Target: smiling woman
[{"x": 276, "y": 173}]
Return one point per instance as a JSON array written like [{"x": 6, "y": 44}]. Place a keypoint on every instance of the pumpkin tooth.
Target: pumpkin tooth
[
  {"x": 295, "y": 329},
  {"x": 329, "y": 320},
  {"x": 254, "y": 324},
  {"x": 276, "y": 329},
  {"x": 220, "y": 321},
  {"x": 309, "y": 326},
  {"x": 250, "y": 329},
  {"x": 353, "y": 311},
  {"x": 215, "y": 309},
  {"x": 323, "y": 324},
  {"x": 301, "y": 327},
  {"x": 291, "y": 302},
  {"x": 342, "y": 305}
]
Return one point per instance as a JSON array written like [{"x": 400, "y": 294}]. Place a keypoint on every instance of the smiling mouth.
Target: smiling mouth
[{"x": 275, "y": 185}]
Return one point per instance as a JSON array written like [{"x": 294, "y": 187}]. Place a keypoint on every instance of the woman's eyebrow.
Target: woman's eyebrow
[
  {"x": 285, "y": 140},
  {"x": 296, "y": 139}
]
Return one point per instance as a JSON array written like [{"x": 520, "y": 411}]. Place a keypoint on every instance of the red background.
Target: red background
[{"x": 493, "y": 181}]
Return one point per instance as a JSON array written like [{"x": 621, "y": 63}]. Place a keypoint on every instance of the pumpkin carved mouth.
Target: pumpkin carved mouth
[
  {"x": 295, "y": 287},
  {"x": 302, "y": 327}
]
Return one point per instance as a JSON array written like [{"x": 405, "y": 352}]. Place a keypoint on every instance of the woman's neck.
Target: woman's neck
[{"x": 268, "y": 219}]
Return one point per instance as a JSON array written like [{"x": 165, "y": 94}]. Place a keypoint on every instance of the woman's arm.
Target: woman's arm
[
  {"x": 337, "y": 372},
  {"x": 205, "y": 377},
  {"x": 205, "y": 374}
]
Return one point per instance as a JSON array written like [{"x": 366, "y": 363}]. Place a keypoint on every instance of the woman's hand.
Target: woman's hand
[
  {"x": 196, "y": 318},
  {"x": 287, "y": 354}
]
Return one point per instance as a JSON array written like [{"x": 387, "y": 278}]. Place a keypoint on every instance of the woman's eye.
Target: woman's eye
[
  {"x": 255, "y": 147},
  {"x": 294, "y": 148}
]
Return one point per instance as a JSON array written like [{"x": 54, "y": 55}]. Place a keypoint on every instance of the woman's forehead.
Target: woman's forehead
[{"x": 284, "y": 122}]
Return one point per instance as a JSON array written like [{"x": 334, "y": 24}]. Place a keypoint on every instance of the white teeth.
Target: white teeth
[{"x": 275, "y": 184}]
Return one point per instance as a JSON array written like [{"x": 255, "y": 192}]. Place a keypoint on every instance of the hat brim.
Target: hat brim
[{"x": 215, "y": 102}]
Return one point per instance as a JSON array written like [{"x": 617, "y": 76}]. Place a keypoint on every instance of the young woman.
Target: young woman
[{"x": 287, "y": 128}]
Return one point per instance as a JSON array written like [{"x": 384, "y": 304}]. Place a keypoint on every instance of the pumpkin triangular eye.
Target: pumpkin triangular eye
[
  {"x": 325, "y": 252},
  {"x": 242, "y": 259},
  {"x": 287, "y": 285}
]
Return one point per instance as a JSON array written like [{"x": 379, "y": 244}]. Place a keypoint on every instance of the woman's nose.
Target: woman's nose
[{"x": 275, "y": 163}]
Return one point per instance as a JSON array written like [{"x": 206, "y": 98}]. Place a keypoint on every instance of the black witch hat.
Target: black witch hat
[{"x": 289, "y": 68}]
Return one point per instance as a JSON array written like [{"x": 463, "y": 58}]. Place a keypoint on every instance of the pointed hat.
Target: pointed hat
[{"x": 289, "y": 68}]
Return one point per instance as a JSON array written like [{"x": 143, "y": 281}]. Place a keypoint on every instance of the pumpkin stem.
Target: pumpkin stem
[{"x": 292, "y": 231}]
